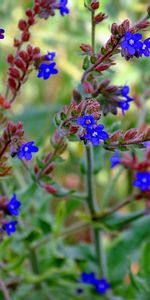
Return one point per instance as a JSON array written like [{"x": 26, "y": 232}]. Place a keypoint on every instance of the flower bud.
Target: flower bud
[
  {"x": 22, "y": 25},
  {"x": 99, "y": 18},
  {"x": 85, "y": 48},
  {"x": 25, "y": 36},
  {"x": 95, "y": 4},
  {"x": 10, "y": 58}
]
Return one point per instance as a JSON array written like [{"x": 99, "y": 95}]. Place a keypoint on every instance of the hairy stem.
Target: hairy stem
[{"x": 4, "y": 290}]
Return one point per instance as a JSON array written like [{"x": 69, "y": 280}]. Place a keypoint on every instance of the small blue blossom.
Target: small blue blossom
[
  {"x": 102, "y": 286},
  {"x": 50, "y": 55},
  {"x": 96, "y": 134},
  {"x": 145, "y": 50},
  {"x": 132, "y": 43},
  {"x": 124, "y": 105},
  {"x": 10, "y": 227},
  {"x": 2, "y": 31},
  {"x": 87, "y": 121},
  {"x": 142, "y": 180},
  {"x": 13, "y": 205},
  {"x": 46, "y": 70},
  {"x": 26, "y": 150},
  {"x": 88, "y": 278},
  {"x": 63, "y": 7},
  {"x": 115, "y": 159}
]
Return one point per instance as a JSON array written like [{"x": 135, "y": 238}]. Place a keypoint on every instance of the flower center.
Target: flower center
[
  {"x": 144, "y": 180},
  {"x": 88, "y": 121},
  {"x": 144, "y": 47},
  {"x": 47, "y": 70},
  {"x": 10, "y": 226},
  {"x": 26, "y": 149},
  {"x": 94, "y": 133},
  {"x": 131, "y": 42}
]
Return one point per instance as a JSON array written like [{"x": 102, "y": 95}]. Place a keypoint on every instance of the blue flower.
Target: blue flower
[
  {"x": 46, "y": 70},
  {"x": 102, "y": 286},
  {"x": 87, "y": 121},
  {"x": 132, "y": 42},
  {"x": 26, "y": 150},
  {"x": 142, "y": 180},
  {"x": 124, "y": 105},
  {"x": 63, "y": 7},
  {"x": 10, "y": 227},
  {"x": 13, "y": 205},
  {"x": 115, "y": 159},
  {"x": 88, "y": 278},
  {"x": 2, "y": 33},
  {"x": 50, "y": 55},
  {"x": 145, "y": 50},
  {"x": 95, "y": 135}
]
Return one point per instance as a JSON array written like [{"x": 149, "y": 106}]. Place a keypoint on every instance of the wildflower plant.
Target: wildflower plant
[{"x": 82, "y": 233}]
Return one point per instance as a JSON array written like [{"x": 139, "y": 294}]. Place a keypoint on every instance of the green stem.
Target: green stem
[
  {"x": 93, "y": 31},
  {"x": 91, "y": 200}
]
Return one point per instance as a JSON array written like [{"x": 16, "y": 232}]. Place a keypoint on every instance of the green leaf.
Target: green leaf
[
  {"x": 145, "y": 261},
  {"x": 127, "y": 245}
]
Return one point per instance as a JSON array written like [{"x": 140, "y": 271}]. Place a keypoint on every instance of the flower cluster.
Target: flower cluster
[
  {"x": 10, "y": 207},
  {"x": 140, "y": 169},
  {"x": 48, "y": 69},
  {"x": 132, "y": 45},
  {"x": 94, "y": 133},
  {"x": 101, "y": 285},
  {"x": 2, "y": 31},
  {"x": 46, "y": 8}
]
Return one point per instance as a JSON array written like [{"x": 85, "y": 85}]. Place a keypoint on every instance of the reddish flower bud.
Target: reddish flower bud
[
  {"x": 30, "y": 49},
  {"x": 36, "y": 50},
  {"x": 29, "y": 12},
  {"x": 10, "y": 58},
  {"x": 24, "y": 55},
  {"x": 12, "y": 83},
  {"x": 19, "y": 63},
  {"x": 85, "y": 48},
  {"x": 95, "y": 4},
  {"x": 73, "y": 129},
  {"x": 17, "y": 43},
  {"x": 4, "y": 103},
  {"x": 14, "y": 73},
  {"x": 114, "y": 28},
  {"x": 26, "y": 36},
  {"x": 37, "y": 8},
  {"x": 49, "y": 188},
  {"x": 22, "y": 25},
  {"x": 31, "y": 21},
  {"x": 100, "y": 17},
  {"x": 88, "y": 88},
  {"x": 102, "y": 67}
]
